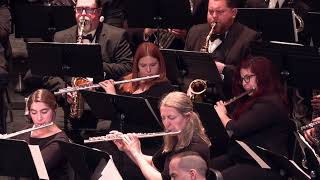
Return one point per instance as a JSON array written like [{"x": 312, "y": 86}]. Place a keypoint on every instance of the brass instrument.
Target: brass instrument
[
  {"x": 205, "y": 47},
  {"x": 299, "y": 20},
  {"x": 238, "y": 97},
  {"x": 165, "y": 39},
  {"x": 77, "y": 106},
  {"x": 7, "y": 136},
  {"x": 86, "y": 86},
  {"x": 198, "y": 87},
  {"x": 111, "y": 137}
]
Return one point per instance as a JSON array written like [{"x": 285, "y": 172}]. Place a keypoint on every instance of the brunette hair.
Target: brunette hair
[{"x": 42, "y": 95}]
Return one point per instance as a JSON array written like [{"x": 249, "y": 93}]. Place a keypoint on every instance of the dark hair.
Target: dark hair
[
  {"x": 143, "y": 50},
  {"x": 42, "y": 95},
  {"x": 268, "y": 82},
  {"x": 98, "y": 3}
]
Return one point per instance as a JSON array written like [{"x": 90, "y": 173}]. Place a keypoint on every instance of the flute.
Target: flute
[
  {"x": 84, "y": 87},
  {"x": 111, "y": 137},
  {"x": 310, "y": 125},
  {"x": 7, "y": 136},
  {"x": 238, "y": 97}
]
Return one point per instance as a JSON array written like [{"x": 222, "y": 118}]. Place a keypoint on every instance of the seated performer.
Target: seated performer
[
  {"x": 260, "y": 119},
  {"x": 42, "y": 107},
  {"x": 177, "y": 114},
  {"x": 147, "y": 61}
]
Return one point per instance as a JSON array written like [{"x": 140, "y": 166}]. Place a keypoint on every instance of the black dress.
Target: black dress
[
  {"x": 161, "y": 160},
  {"x": 53, "y": 157},
  {"x": 265, "y": 124}
]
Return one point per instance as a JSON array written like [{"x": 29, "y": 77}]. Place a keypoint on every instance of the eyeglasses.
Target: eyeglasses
[
  {"x": 88, "y": 10},
  {"x": 246, "y": 78}
]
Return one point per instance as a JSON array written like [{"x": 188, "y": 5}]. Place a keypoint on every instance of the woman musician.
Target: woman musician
[
  {"x": 177, "y": 114},
  {"x": 260, "y": 119},
  {"x": 42, "y": 107},
  {"x": 147, "y": 61}
]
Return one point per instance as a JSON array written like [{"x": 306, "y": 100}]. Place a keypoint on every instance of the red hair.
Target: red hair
[
  {"x": 143, "y": 50},
  {"x": 268, "y": 82}
]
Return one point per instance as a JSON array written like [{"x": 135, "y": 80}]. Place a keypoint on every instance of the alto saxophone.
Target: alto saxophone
[
  {"x": 205, "y": 47},
  {"x": 77, "y": 105}
]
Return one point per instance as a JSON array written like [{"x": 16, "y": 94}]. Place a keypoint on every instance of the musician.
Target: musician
[
  {"x": 5, "y": 46},
  {"x": 42, "y": 107},
  {"x": 115, "y": 51},
  {"x": 188, "y": 165},
  {"x": 177, "y": 114},
  {"x": 234, "y": 37},
  {"x": 148, "y": 61},
  {"x": 260, "y": 119}
]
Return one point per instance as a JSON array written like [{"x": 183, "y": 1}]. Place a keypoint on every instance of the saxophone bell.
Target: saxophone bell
[{"x": 198, "y": 88}]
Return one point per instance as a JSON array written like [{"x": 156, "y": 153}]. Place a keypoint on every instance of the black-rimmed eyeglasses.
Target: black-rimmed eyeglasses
[{"x": 246, "y": 78}]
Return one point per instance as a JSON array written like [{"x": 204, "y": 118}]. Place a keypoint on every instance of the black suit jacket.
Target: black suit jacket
[
  {"x": 233, "y": 48},
  {"x": 115, "y": 50}
]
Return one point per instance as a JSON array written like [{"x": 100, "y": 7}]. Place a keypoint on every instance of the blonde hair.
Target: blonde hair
[{"x": 182, "y": 103}]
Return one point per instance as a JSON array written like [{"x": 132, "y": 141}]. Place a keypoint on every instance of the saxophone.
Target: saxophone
[
  {"x": 77, "y": 105},
  {"x": 205, "y": 47}
]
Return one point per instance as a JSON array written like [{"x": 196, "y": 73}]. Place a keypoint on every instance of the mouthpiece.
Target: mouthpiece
[{"x": 101, "y": 18}]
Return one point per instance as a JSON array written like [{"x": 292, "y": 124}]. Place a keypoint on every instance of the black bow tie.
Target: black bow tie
[
  {"x": 88, "y": 36},
  {"x": 217, "y": 36}
]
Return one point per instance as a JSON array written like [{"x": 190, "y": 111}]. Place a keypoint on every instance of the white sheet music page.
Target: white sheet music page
[
  {"x": 38, "y": 161},
  {"x": 110, "y": 171}
]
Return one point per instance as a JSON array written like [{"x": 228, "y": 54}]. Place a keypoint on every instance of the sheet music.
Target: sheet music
[
  {"x": 38, "y": 162},
  {"x": 110, "y": 171},
  {"x": 253, "y": 155}
]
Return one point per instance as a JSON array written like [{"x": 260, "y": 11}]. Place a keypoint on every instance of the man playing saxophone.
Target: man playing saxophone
[{"x": 228, "y": 43}]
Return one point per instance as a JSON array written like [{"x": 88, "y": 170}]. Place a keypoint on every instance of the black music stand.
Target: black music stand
[
  {"x": 17, "y": 160},
  {"x": 32, "y": 21},
  {"x": 275, "y": 24},
  {"x": 192, "y": 65},
  {"x": 313, "y": 27},
  {"x": 158, "y": 13},
  {"x": 63, "y": 59},
  {"x": 87, "y": 163},
  {"x": 128, "y": 114},
  {"x": 286, "y": 166},
  {"x": 214, "y": 128},
  {"x": 280, "y": 54}
]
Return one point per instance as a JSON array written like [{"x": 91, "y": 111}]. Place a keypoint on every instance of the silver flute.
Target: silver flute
[
  {"x": 84, "y": 87},
  {"x": 238, "y": 97},
  {"x": 7, "y": 136},
  {"x": 111, "y": 137}
]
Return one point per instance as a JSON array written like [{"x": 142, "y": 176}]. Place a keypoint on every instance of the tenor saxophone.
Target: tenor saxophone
[{"x": 205, "y": 47}]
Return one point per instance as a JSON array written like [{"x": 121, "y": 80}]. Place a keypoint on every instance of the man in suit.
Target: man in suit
[{"x": 229, "y": 41}]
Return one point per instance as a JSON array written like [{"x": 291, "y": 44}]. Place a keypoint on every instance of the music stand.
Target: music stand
[
  {"x": 192, "y": 65},
  {"x": 214, "y": 128},
  {"x": 88, "y": 163},
  {"x": 32, "y": 21},
  {"x": 17, "y": 160},
  {"x": 130, "y": 114},
  {"x": 158, "y": 13},
  {"x": 275, "y": 24},
  {"x": 286, "y": 166},
  {"x": 313, "y": 28},
  {"x": 69, "y": 59}
]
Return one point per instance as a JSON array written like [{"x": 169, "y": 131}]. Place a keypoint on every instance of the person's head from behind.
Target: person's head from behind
[
  {"x": 42, "y": 105},
  {"x": 187, "y": 165},
  {"x": 90, "y": 10},
  {"x": 223, "y": 13},
  {"x": 148, "y": 61},
  {"x": 177, "y": 114}
]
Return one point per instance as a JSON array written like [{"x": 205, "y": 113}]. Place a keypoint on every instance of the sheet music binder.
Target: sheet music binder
[
  {"x": 69, "y": 59},
  {"x": 17, "y": 160},
  {"x": 156, "y": 14},
  {"x": 88, "y": 163},
  {"x": 214, "y": 128},
  {"x": 275, "y": 24},
  {"x": 32, "y": 21},
  {"x": 128, "y": 113}
]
